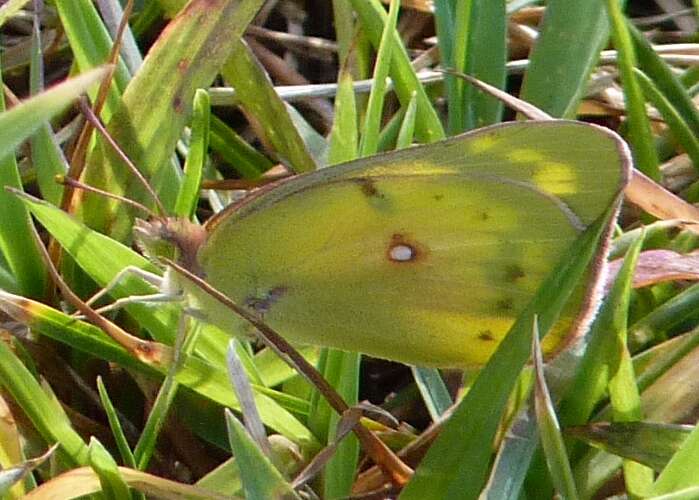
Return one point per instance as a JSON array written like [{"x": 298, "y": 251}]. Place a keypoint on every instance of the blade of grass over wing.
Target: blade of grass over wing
[
  {"x": 456, "y": 464},
  {"x": 373, "y": 18},
  {"x": 549, "y": 428},
  {"x": 188, "y": 196},
  {"x": 566, "y": 51},
  {"x": 639, "y": 132},
  {"x": 264, "y": 109},
  {"x": 601, "y": 358},
  {"x": 157, "y": 104},
  {"x": 372, "y": 118},
  {"x": 261, "y": 480}
]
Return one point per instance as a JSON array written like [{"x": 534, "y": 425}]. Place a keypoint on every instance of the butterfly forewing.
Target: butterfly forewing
[{"x": 426, "y": 255}]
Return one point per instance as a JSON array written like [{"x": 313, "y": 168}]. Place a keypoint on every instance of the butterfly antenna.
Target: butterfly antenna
[
  {"x": 95, "y": 122},
  {"x": 146, "y": 351},
  {"x": 67, "y": 181}
]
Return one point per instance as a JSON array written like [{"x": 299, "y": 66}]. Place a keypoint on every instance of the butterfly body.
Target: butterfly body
[{"x": 424, "y": 256}]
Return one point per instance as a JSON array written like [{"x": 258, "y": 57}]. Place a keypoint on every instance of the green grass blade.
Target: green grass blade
[
  {"x": 45, "y": 413},
  {"x": 565, "y": 53},
  {"x": 47, "y": 157},
  {"x": 434, "y": 391},
  {"x": 486, "y": 59},
  {"x": 407, "y": 126},
  {"x": 480, "y": 51},
  {"x": 17, "y": 124},
  {"x": 663, "y": 318},
  {"x": 601, "y": 356},
  {"x": 264, "y": 109},
  {"x": 679, "y": 128},
  {"x": 680, "y": 472},
  {"x": 463, "y": 10},
  {"x": 664, "y": 79},
  {"x": 91, "y": 44},
  {"x": 443, "y": 20},
  {"x": 340, "y": 369},
  {"x": 373, "y": 18},
  {"x": 456, "y": 464},
  {"x": 623, "y": 392},
  {"x": 243, "y": 158},
  {"x": 343, "y": 136},
  {"x": 649, "y": 443},
  {"x": 640, "y": 136},
  {"x": 188, "y": 196},
  {"x": 549, "y": 429},
  {"x": 261, "y": 480},
  {"x": 196, "y": 374},
  {"x": 156, "y": 106},
  {"x": 113, "y": 485},
  {"x": 372, "y": 119},
  {"x": 11, "y": 8},
  {"x": 114, "y": 424}
]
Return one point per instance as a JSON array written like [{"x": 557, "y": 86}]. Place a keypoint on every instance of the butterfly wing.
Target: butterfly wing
[{"x": 424, "y": 255}]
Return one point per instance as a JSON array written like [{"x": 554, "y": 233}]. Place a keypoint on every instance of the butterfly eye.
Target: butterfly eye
[{"x": 401, "y": 253}]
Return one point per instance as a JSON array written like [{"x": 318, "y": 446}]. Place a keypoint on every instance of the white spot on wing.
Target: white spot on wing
[{"x": 401, "y": 253}]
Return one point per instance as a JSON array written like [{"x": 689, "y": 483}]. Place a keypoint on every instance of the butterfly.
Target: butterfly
[{"x": 425, "y": 255}]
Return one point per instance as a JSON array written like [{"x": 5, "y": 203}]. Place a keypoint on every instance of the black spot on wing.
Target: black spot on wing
[
  {"x": 486, "y": 336},
  {"x": 368, "y": 187},
  {"x": 263, "y": 303},
  {"x": 514, "y": 272},
  {"x": 505, "y": 305}
]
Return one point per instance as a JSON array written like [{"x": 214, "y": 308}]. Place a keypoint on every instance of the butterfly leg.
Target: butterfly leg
[{"x": 151, "y": 278}]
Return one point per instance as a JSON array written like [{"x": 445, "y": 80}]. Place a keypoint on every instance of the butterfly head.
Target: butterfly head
[{"x": 171, "y": 237}]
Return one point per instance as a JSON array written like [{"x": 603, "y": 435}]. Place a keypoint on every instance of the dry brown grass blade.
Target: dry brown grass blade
[{"x": 659, "y": 202}]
